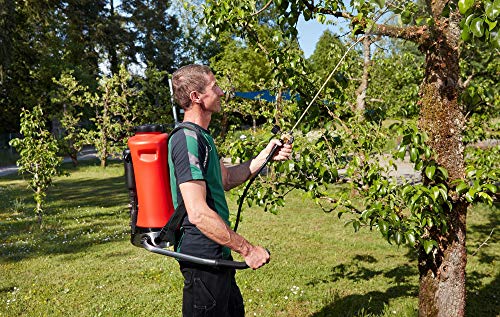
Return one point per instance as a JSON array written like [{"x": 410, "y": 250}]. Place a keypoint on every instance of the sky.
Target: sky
[{"x": 309, "y": 34}]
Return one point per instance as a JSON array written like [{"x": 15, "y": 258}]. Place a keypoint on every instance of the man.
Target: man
[{"x": 198, "y": 180}]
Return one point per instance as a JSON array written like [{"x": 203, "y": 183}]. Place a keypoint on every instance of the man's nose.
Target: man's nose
[{"x": 221, "y": 92}]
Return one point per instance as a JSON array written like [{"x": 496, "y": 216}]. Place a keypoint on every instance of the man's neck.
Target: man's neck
[{"x": 200, "y": 118}]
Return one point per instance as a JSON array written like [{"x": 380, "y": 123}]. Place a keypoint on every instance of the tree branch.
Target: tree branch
[
  {"x": 263, "y": 8},
  {"x": 484, "y": 243},
  {"x": 416, "y": 34}
]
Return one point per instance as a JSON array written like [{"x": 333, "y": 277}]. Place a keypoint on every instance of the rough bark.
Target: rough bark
[{"x": 442, "y": 273}]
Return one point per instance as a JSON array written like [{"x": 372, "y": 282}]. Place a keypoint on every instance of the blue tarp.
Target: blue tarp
[{"x": 263, "y": 95}]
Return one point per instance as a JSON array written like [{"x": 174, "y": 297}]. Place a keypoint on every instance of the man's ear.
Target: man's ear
[{"x": 194, "y": 97}]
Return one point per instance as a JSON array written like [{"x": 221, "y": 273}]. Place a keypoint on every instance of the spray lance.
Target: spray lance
[{"x": 287, "y": 137}]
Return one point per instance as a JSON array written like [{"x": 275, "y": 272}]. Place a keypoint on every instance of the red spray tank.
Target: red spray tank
[{"x": 149, "y": 156}]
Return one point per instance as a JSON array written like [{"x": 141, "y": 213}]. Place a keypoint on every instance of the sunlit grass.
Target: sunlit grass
[{"x": 81, "y": 262}]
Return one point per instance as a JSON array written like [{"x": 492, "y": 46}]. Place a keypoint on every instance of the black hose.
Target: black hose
[{"x": 245, "y": 191}]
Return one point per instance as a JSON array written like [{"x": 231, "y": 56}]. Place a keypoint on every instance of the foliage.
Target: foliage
[
  {"x": 241, "y": 67},
  {"x": 115, "y": 115},
  {"x": 341, "y": 89},
  {"x": 480, "y": 69},
  {"x": 27, "y": 59},
  {"x": 155, "y": 32},
  {"x": 480, "y": 20},
  {"x": 38, "y": 155},
  {"x": 482, "y": 171},
  {"x": 198, "y": 44},
  {"x": 403, "y": 211},
  {"x": 153, "y": 103},
  {"x": 394, "y": 81},
  {"x": 406, "y": 212},
  {"x": 72, "y": 98},
  {"x": 42, "y": 40}
]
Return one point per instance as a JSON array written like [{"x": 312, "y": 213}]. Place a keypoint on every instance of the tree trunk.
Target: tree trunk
[
  {"x": 442, "y": 273},
  {"x": 361, "y": 91},
  {"x": 74, "y": 158},
  {"x": 104, "y": 157},
  {"x": 39, "y": 211}
]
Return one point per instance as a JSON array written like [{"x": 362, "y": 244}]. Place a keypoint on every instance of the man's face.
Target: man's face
[{"x": 210, "y": 99}]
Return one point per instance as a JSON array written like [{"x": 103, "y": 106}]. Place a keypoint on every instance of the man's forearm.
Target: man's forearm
[
  {"x": 238, "y": 174},
  {"x": 211, "y": 225},
  {"x": 208, "y": 221}
]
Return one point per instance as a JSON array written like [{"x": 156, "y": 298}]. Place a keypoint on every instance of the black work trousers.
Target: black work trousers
[{"x": 211, "y": 292}]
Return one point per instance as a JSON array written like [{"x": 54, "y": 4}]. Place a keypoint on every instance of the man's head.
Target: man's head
[{"x": 190, "y": 81}]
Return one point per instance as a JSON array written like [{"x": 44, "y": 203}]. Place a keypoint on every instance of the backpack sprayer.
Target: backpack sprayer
[{"x": 154, "y": 221}]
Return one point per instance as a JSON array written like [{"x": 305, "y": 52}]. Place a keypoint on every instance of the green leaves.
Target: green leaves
[
  {"x": 414, "y": 155},
  {"x": 462, "y": 187},
  {"x": 465, "y": 5},
  {"x": 479, "y": 192},
  {"x": 480, "y": 21},
  {"x": 381, "y": 3},
  {"x": 430, "y": 171},
  {"x": 476, "y": 27},
  {"x": 492, "y": 9},
  {"x": 428, "y": 245}
]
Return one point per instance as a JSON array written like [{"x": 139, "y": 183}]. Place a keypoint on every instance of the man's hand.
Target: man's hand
[
  {"x": 283, "y": 153},
  {"x": 257, "y": 257}
]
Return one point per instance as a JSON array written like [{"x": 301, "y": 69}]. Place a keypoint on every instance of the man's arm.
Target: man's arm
[
  {"x": 212, "y": 225},
  {"x": 236, "y": 175}
]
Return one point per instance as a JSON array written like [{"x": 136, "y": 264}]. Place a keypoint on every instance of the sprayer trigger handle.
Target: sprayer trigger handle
[{"x": 287, "y": 138}]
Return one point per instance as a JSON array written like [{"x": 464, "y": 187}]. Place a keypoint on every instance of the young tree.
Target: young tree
[
  {"x": 431, "y": 216},
  {"x": 38, "y": 155},
  {"x": 72, "y": 98},
  {"x": 115, "y": 115}
]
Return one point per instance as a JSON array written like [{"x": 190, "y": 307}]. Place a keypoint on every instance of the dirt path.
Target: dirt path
[{"x": 84, "y": 155}]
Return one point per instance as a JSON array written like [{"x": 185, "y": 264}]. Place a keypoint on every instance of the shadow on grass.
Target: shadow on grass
[
  {"x": 107, "y": 192},
  {"x": 79, "y": 213},
  {"x": 370, "y": 303},
  {"x": 483, "y": 234},
  {"x": 484, "y": 301}
]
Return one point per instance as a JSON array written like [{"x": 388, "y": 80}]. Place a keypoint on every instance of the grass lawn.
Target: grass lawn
[{"x": 81, "y": 262}]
